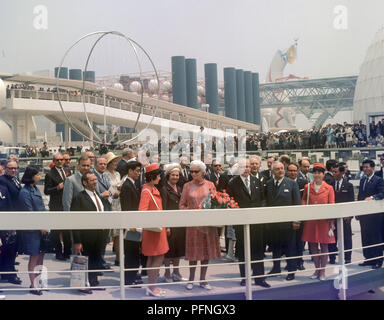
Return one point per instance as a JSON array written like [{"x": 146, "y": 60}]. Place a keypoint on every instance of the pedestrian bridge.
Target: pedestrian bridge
[
  {"x": 17, "y": 106},
  {"x": 344, "y": 280}
]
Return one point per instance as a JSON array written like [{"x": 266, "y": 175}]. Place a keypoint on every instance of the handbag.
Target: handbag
[
  {"x": 46, "y": 245},
  {"x": 79, "y": 279},
  {"x": 154, "y": 229}
]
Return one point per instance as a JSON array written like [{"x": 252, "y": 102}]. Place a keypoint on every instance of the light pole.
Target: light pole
[
  {"x": 103, "y": 90},
  {"x": 206, "y": 107}
]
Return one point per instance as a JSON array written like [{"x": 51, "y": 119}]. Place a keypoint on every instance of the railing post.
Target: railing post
[
  {"x": 342, "y": 270},
  {"x": 122, "y": 264},
  {"x": 247, "y": 256}
]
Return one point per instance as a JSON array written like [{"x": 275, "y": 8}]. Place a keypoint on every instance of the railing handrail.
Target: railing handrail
[{"x": 62, "y": 220}]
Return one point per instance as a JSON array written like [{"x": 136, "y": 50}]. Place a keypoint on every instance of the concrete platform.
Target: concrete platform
[{"x": 224, "y": 288}]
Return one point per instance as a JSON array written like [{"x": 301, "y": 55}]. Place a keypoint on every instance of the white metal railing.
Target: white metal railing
[{"x": 184, "y": 218}]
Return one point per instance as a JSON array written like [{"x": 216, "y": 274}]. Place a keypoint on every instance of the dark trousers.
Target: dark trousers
[
  {"x": 131, "y": 260},
  {"x": 257, "y": 249},
  {"x": 92, "y": 241},
  {"x": 283, "y": 239},
  {"x": 8, "y": 255},
  {"x": 371, "y": 233},
  {"x": 105, "y": 241},
  {"x": 65, "y": 248},
  {"x": 300, "y": 244},
  {"x": 332, "y": 247}
]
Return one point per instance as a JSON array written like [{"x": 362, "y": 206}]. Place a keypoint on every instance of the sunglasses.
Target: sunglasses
[{"x": 193, "y": 171}]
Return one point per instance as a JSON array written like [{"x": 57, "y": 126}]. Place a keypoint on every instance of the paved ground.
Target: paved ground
[{"x": 223, "y": 272}]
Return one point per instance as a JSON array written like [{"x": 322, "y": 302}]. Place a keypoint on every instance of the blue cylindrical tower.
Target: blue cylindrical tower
[
  {"x": 76, "y": 74},
  {"x": 191, "y": 82},
  {"x": 248, "y": 96},
  {"x": 256, "y": 99},
  {"x": 179, "y": 80},
  {"x": 230, "y": 99},
  {"x": 89, "y": 76},
  {"x": 63, "y": 73},
  {"x": 211, "y": 87},
  {"x": 240, "y": 94}
]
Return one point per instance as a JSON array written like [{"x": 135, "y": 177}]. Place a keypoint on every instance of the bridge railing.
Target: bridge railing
[{"x": 188, "y": 218}]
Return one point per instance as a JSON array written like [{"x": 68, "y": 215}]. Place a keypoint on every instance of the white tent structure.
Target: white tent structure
[{"x": 369, "y": 93}]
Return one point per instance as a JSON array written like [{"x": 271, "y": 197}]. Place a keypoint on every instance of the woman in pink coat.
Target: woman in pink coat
[
  {"x": 319, "y": 231},
  {"x": 154, "y": 245}
]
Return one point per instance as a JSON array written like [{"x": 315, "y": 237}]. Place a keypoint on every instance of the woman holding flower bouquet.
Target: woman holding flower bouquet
[{"x": 202, "y": 243}]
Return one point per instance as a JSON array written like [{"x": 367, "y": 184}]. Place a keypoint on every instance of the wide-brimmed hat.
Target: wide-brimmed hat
[
  {"x": 110, "y": 156},
  {"x": 171, "y": 167}
]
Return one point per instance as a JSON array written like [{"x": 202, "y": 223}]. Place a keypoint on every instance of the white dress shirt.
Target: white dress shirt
[{"x": 93, "y": 195}]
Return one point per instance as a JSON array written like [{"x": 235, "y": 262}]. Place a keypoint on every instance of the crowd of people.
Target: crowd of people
[
  {"x": 330, "y": 136},
  {"x": 132, "y": 182}
]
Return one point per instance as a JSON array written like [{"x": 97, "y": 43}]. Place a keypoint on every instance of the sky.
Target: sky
[{"x": 244, "y": 34}]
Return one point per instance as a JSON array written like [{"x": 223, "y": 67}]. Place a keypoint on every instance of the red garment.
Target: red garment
[
  {"x": 316, "y": 231},
  {"x": 153, "y": 243},
  {"x": 202, "y": 243}
]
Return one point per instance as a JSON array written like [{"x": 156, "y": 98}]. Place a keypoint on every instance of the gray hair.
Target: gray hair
[
  {"x": 100, "y": 157},
  {"x": 127, "y": 152},
  {"x": 275, "y": 163},
  {"x": 256, "y": 158},
  {"x": 200, "y": 164}
]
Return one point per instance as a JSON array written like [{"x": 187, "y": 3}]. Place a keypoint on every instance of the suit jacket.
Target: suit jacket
[
  {"x": 211, "y": 176},
  {"x": 309, "y": 176},
  {"x": 345, "y": 193},
  {"x": 83, "y": 202},
  {"x": 170, "y": 198},
  {"x": 267, "y": 174},
  {"x": 223, "y": 181},
  {"x": 238, "y": 190},
  {"x": 52, "y": 180},
  {"x": 286, "y": 194},
  {"x": 129, "y": 196},
  {"x": 379, "y": 173},
  {"x": 301, "y": 182},
  {"x": 5, "y": 200},
  {"x": 12, "y": 189},
  {"x": 374, "y": 188},
  {"x": 328, "y": 178},
  {"x": 72, "y": 187},
  {"x": 30, "y": 199},
  {"x": 183, "y": 180},
  {"x": 102, "y": 184},
  {"x": 121, "y": 167}
]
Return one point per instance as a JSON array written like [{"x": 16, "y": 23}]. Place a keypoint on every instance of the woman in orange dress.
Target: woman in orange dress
[
  {"x": 319, "y": 231},
  {"x": 202, "y": 243},
  {"x": 154, "y": 245}
]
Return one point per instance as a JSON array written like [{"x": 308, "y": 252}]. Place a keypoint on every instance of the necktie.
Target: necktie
[
  {"x": 97, "y": 202},
  {"x": 62, "y": 174},
  {"x": 247, "y": 185},
  {"x": 185, "y": 174},
  {"x": 16, "y": 182},
  {"x": 365, "y": 183},
  {"x": 277, "y": 184}
]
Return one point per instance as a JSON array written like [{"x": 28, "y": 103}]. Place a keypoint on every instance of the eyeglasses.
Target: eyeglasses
[
  {"x": 217, "y": 165},
  {"x": 12, "y": 168},
  {"x": 193, "y": 171},
  {"x": 67, "y": 159},
  {"x": 59, "y": 159}
]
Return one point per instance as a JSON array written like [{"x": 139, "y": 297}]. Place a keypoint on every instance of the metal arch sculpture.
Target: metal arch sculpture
[{"x": 132, "y": 43}]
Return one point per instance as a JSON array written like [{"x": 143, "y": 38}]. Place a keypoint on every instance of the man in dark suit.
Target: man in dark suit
[
  {"x": 214, "y": 174},
  {"x": 371, "y": 188},
  {"x": 10, "y": 184},
  {"x": 328, "y": 178},
  {"x": 103, "y": 189},
  {"x": 282, "y": 191},
  {"x": 343, "y": 193},
  {"x": 304, "y": 170},
  {"x": 89, "y": 242},
  {"x": 54, "y": 186},
  {"x": 129, "y": 200},
  {"x": 248, "y": 192},
  {"x": 268, "y": 173},
  {"x": 67, "y": 164},
  {"x": 292, "y": 173},
  {"x": 380, "y": 173},
  {"x": 184, "y": 174},
  {"x": 127, "y": 155}
]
